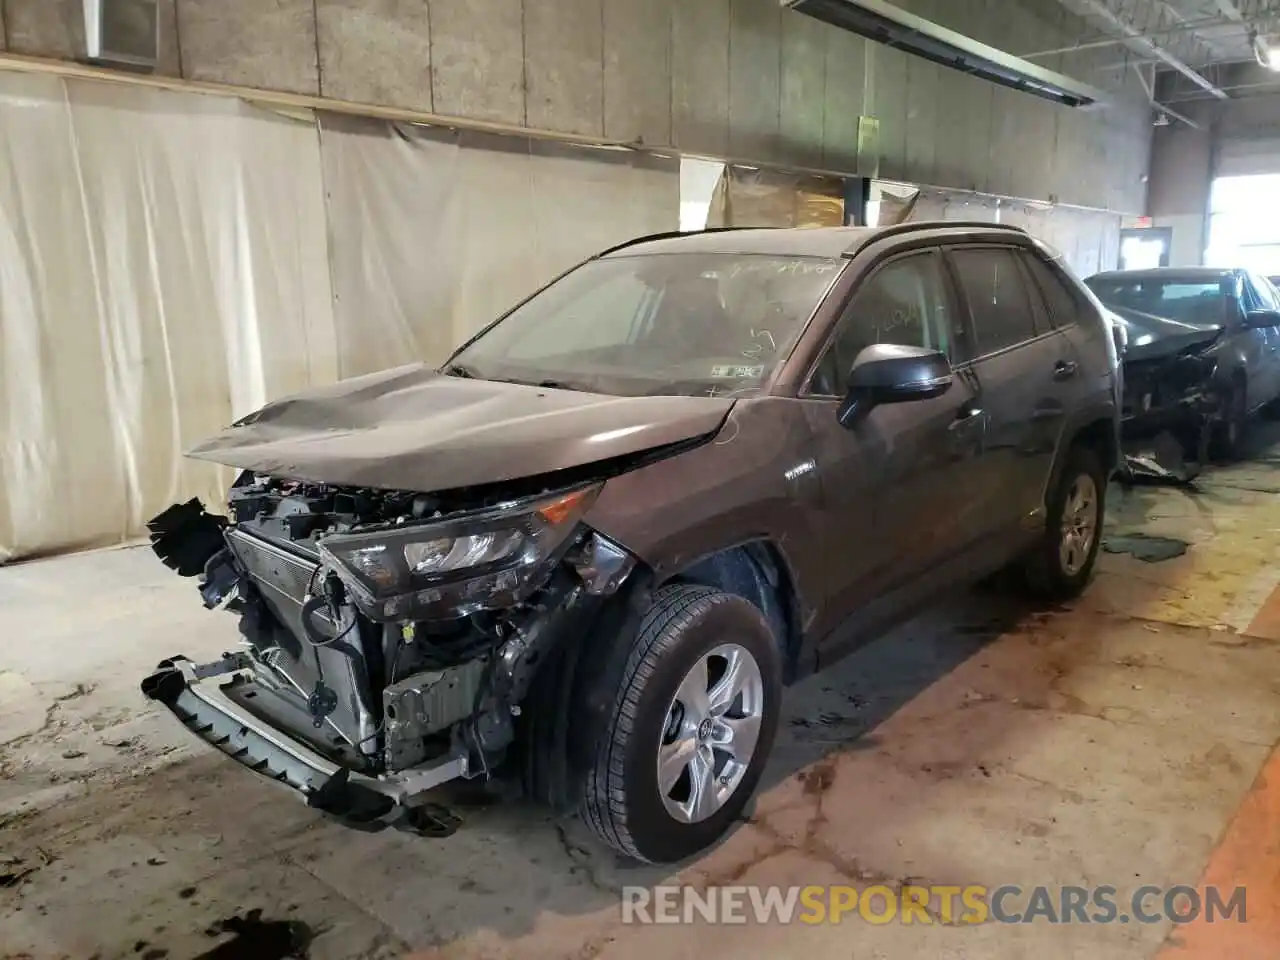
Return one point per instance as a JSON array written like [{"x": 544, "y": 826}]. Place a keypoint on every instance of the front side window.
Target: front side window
[
  {"x": 704, "y": 324},
  {"x": 905, "y": 303},
  {"x": 998, "y": 300}
]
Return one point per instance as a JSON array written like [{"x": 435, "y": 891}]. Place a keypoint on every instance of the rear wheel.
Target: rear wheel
[
  {"x": 691, "y": 726},
  {"x": 1061, "y": 565}
]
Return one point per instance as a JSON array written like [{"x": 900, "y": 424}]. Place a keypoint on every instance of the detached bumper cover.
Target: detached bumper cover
[{"x": 196, "y": 695}]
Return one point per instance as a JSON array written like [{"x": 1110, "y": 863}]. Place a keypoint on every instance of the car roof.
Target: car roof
[
  {"x": 1191, "y": 274},
  {"x": 795, "y": 241}
]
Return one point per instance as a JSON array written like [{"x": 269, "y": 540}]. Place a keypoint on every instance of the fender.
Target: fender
[
  {"x": 744, "y": 486},
  {"x": 1099, "y": 414}
]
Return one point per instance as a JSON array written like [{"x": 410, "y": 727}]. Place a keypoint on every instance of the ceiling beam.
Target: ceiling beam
[
  {"x": 1135, "y": 38},
  {"x": 1216, "y": 52},
  {"x": 1149, "y": 85},
  {"x": 1098, "y": 40}
]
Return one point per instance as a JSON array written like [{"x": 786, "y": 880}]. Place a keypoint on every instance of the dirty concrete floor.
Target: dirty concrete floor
[{"x": 1106, "y": 743}]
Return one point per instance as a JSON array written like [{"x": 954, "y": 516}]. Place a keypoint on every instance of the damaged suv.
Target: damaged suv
[{"x": 590, "y": 549}]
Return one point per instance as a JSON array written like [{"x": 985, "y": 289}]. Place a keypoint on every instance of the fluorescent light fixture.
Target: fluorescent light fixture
[{"x": 894, "y": 27}]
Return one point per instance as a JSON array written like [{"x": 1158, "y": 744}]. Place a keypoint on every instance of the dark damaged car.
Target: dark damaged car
[
  {"x": 589, "y": 550},
  {"x": 1202, "y": 355}
]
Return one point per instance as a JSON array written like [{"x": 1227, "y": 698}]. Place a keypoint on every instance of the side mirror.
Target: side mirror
[
  {"x": 890, "y": 373},
  {"x": 1261, "y": 319}
]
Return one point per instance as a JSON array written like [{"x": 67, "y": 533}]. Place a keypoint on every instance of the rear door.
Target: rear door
[{"x": 1026, "y": 371}]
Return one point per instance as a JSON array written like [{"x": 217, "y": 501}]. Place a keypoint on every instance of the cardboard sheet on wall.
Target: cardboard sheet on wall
[{"x": 751, "y": 197}]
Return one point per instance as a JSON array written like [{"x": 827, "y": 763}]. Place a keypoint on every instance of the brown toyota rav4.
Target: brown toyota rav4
[{"x": 592, "y": 547}]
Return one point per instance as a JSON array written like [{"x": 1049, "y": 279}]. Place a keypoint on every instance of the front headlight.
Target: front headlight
[{"x": 449, "y": 568}]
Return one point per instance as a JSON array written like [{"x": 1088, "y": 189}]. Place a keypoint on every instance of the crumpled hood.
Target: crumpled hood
[
  {"x": 415, "y": 429},
  {"x": 1151, "y": 336}
]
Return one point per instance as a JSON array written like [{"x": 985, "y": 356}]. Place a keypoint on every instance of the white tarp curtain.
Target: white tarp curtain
[
  {"x": 1088, "y": 240},
  {"x": 170, "y": 261},
  {"x": 436, "y": 232},
  {"x": 162, "y": 267}
]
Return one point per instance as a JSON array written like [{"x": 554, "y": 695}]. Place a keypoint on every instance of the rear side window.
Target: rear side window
[
  {"x": 998, "y": 300},
  {"x": 1059, "y": 299}
]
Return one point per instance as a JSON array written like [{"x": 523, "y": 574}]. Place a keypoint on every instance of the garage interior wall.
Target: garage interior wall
[
  {"x": 170, "y": 261},
  {"x": 732, "y": 79},
  {"x": 1239, "y": 137}
]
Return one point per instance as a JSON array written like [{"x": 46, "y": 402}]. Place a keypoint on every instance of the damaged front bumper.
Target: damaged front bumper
[
  {"x": 210, "y": 701},
  {"x": 1178, "y": 394},
  {"x": 363, "y": 717}
]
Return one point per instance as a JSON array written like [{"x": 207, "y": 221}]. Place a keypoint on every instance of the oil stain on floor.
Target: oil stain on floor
[{"x": 1145, "y": 547}]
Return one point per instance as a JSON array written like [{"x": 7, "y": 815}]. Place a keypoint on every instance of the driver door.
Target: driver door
[
  {"x": 896, "y": 487},
  {"x": 1265, "y": 381}
]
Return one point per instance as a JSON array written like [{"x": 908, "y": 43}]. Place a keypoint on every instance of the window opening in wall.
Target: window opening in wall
[
  {"x": 1241, "y": 233},
  {"x": 698, "y": 181}
]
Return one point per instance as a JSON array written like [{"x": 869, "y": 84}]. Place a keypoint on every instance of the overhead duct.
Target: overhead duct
[{"x": 885, "y": 23}]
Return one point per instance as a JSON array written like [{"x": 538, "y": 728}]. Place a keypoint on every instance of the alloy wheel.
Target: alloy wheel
[
  {"x": 711, "y": 731},
  {"x": 1079, "y": 525}
]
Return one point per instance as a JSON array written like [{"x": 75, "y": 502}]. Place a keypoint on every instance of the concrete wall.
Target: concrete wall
[
  {"x": 737, "y": 78},
  {"x": 1238, "y": 136},
  {"x": 1181, "y": 173}
]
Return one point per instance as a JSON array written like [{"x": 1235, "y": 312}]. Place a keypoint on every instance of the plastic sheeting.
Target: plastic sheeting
[
  {"x": 436, "y": 232},
  {"x": 170, "y": 261},
  {"x": 1088, "y": 240},
  {"x": 162, "y": 267}
]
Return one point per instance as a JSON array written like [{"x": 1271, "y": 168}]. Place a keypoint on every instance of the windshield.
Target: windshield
[
  {"x": 1199, "y": 301},
  {"x": 663, "y": 324}
]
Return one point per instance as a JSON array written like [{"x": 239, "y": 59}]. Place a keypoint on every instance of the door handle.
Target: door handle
[
  {"x": 1064, "y": 369},
  {"x": 968, "y": 412}
]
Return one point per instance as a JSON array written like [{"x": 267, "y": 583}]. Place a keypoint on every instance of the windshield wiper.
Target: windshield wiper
[{"x": 458, "y": 370}]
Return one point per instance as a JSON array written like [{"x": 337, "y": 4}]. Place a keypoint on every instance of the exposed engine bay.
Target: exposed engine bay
[{"x": 392, "y": 636}]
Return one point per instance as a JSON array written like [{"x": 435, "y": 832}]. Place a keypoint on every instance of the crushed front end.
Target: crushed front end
[
  {"x": 1171, "y": 403},
  {"x": 388, "y": 639}
]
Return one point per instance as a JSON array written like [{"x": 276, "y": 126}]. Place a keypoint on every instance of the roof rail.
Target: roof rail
[
  {"x": 914, "y": 225},
  {"x": 669, "y": 234}
]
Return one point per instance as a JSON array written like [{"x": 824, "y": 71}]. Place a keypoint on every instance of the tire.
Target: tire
[
  {"x": 685, "y": 626},
  {"x": 1226, "y": 443},
  {"x": 1047, "y": 572}
]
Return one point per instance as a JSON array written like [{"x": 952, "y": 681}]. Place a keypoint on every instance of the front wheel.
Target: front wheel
[
  {"x": 1226, "y": 443},
  {"x": 1061, "y": 565},
  {"x": 691, "y": 726}
]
